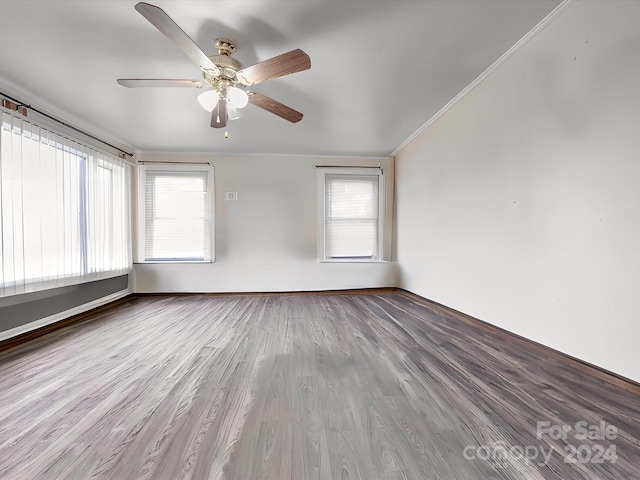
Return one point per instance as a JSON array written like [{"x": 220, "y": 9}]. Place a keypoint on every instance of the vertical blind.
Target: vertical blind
[
  {"x": 351, "y": 216},
  {"x": 177, "y": 221},
  {"x": 64, "y": 209}
]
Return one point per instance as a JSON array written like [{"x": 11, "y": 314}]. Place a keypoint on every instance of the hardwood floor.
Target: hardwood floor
[{"x": 370, "y": 387}]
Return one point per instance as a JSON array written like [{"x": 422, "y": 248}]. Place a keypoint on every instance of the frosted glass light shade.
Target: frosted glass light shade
[
  {"x": 209, "y": 100},
  {"x": 237, "y": 97},
  {"x": 233, "y": 113}
]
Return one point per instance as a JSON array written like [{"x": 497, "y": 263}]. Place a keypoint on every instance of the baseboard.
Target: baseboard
[
  {"x": 24, "y": 333},
  {"x": 353, "y": 291},
  {"x": 30, "y": 331},
  {"x": 588, "y": 368}
]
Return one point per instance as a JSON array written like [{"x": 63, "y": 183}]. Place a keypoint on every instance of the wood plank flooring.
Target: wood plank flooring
[{"x": 370, "y": 387}]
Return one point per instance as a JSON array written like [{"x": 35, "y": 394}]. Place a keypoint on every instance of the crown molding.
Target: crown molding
[
  {"x": 62, "y": 118},
  {"x": 145, "y": 153},
  {"x": 544, "y": 23}
]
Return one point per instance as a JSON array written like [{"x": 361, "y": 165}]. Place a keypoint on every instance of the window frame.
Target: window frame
[
  {"x": 141, "y": 211},
  {"x": 50, "y": 151},
  {"x": 321, "y": 173}
]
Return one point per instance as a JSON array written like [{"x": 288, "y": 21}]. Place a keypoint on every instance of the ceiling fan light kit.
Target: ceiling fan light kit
[
  {"x": 208, "y": 100},
  {"x": 225, "y": 75},
  {"x": 237, "y": 97}
]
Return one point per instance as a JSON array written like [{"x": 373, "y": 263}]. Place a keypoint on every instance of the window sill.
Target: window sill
[
  {"x": 172, "y": 262},
  {"x": 41, "y": 285},
  {"x": 351, "y": 260}
]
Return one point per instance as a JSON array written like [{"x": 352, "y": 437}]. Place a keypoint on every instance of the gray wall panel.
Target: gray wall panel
[{"x": 26, "y": 308}]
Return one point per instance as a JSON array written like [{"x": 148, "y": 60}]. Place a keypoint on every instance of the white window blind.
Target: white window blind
[
  {"x": 350, "y": 214},
  {"x": 177, "y": 203},
  {"x": 64, "y": 209}
]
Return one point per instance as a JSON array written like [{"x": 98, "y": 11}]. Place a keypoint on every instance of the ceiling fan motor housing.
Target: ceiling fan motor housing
[{"x": 227, "y": 65}]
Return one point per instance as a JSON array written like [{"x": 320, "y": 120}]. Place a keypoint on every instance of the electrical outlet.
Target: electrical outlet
[{"x": 231, "y": 196}]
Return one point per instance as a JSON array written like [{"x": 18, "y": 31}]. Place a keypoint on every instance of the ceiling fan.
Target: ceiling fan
[{"x": 223, "y": 73}]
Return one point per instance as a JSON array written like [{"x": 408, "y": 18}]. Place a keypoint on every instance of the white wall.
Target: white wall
[
  {"x": 521, "y": 204},
  {"x": 266, "y": 240}
]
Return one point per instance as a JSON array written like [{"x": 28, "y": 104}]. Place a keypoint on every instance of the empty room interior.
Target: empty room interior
[{"x": 366, "y": 239}]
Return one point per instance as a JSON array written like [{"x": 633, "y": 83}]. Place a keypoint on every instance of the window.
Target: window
[
  {"x": 351, "y": 205},
  {"x": 64, "y": 209},
  {"x": 176, "y": 205}
]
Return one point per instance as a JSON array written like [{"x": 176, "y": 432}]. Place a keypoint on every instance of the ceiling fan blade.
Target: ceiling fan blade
[
  {"x": 275, "y": 107},
  {"x": 219, "y": 114},
  {"x": 285, "y": 64},
  {"x": 157, "y": 82},
  {"x": 163, "y": 22}
]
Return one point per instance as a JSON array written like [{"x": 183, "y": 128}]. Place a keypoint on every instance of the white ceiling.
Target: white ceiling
[{"x": 380, "y": 69}]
